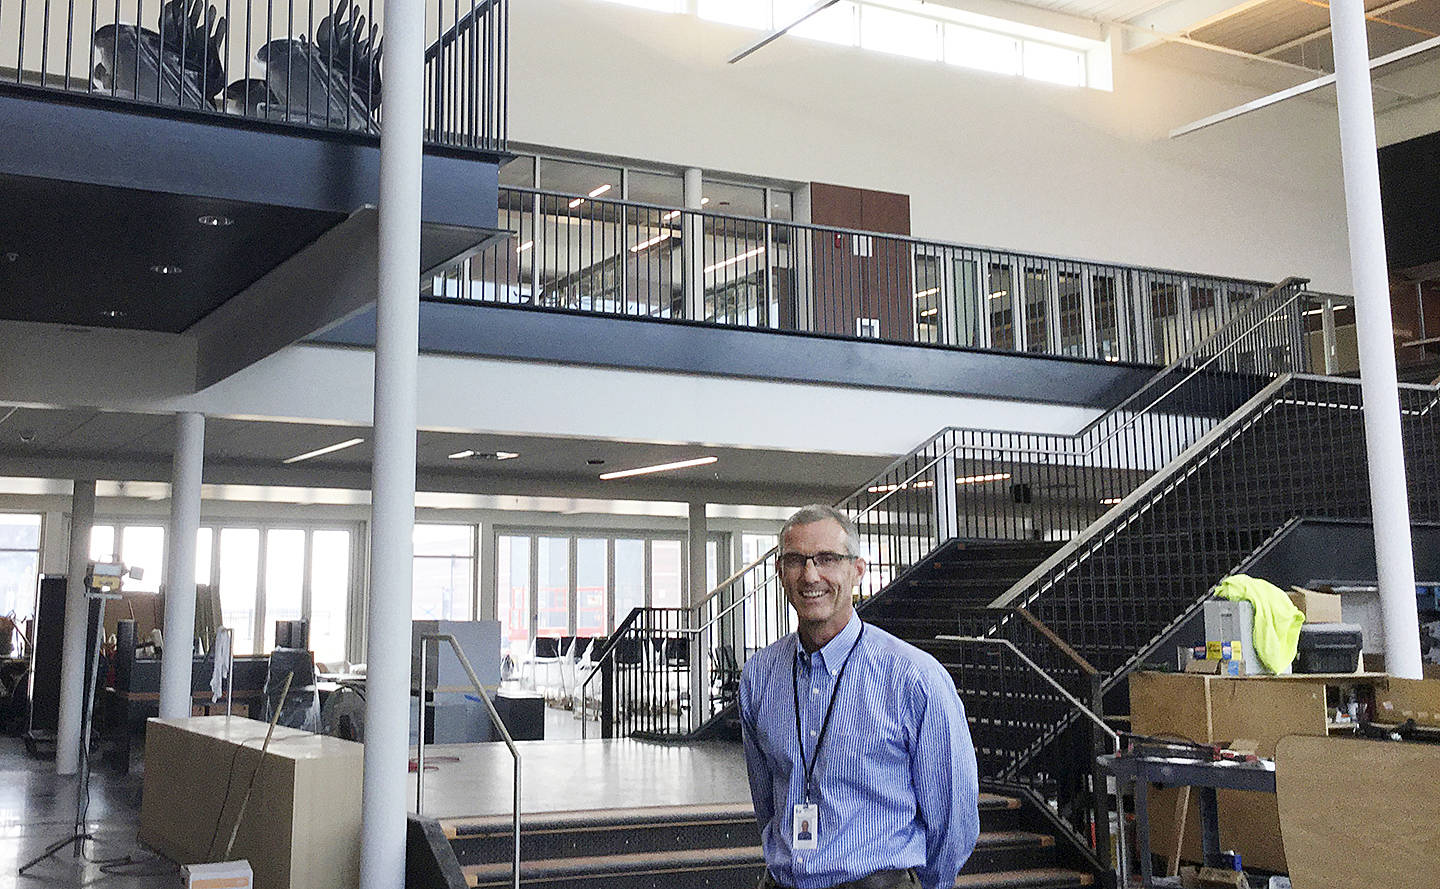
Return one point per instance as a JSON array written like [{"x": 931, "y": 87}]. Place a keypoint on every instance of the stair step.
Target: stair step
[
  {"x": 1037, "y": 878},
  {"x": 467, "y": 826},
  {"x": 567, "y": 871}
]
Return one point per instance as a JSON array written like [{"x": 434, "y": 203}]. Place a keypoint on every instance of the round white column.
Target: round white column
[
  {"x": 387, "y": 691},
  {"x": 1374, "y": 331},
  {"x": 176, "y": 659}
]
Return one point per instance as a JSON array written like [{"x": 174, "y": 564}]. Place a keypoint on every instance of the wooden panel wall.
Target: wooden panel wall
[{"x": 847, "y": 285}]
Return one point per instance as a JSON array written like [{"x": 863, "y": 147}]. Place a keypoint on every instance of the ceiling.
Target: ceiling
[
  {"x": 243, "y": 461},
  {"x": 129, "y": 446},
  {"x": 102, "y": 256}
]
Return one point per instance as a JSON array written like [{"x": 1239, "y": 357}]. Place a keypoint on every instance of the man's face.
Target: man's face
[{"x": 821, "y": 597}]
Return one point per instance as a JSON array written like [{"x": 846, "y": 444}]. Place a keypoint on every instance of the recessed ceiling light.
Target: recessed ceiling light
[
  {"x": 215, "y": 221},
  {"x": 113, "y": 314},
  {"x": 1110, "y": 501},
  {"x": 12, "y": 257},
  {"x": 484, "y": 455},
  {"x": 165, "y": 269},
  {"x": 596, "y": 192},
  {"x": 322, "y": 451},
  {"x": 659, "y": 467}
]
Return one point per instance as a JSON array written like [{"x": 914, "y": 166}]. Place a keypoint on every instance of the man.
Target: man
[{"x": 861, "y": 766}]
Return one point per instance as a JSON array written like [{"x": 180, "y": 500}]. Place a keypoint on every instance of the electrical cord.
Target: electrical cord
[{"x": 225, "y": 800}]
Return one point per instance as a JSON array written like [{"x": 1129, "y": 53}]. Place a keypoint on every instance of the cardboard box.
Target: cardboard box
[
  {"x": 220, "y": 875},
  {"x": 1319, "y": 608},
  {"x": 1401, "y": 699}
]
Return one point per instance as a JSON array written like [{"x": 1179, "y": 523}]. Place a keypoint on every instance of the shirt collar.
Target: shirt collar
[{"x": 832, "y": 654}]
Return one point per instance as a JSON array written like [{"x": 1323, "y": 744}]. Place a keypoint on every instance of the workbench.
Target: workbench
[{"x": 1208, "y": 776}]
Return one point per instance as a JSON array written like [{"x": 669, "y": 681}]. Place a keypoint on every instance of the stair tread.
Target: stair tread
[
  {"x": 1014, "y": 838},
  {"x": 473, "y": 826},
  {"x": 628, "y": 863},
  {"x": 1033, "y": 878}
]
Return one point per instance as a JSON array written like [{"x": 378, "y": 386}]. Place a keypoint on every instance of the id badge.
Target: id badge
[{"x": 805, "y": 827}]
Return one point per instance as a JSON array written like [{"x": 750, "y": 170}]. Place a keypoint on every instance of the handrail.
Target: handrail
[
  {"x": 465, "y": 22},
  {"x": 1051, "y": 680},
  {"x": 907, "y": 239},
  {"x": 1060, "y": 644},
  {"x": 425, "y": 640}
]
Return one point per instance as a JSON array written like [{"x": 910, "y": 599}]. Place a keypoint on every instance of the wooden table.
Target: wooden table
[{"x": 302, "y": 827}]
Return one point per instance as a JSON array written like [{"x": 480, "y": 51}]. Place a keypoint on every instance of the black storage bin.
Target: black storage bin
[{"x": 1329, "y": 648}]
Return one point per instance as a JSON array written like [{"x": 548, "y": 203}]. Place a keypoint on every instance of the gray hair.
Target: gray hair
[{"x": 819, "y": 512}]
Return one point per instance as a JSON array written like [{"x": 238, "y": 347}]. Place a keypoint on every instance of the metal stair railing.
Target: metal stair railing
[
  {"x": 425, "y": 641},
  {"x": 1099, "y": 464}
]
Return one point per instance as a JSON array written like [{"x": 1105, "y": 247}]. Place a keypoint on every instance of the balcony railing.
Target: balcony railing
[
  {"x": 298, "y": 63},
  {"x": 624, "y": 258}
]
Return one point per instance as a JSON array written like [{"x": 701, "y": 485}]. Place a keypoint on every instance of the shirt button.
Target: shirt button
[
  {"x": 800, "y": 859},
  {"x": 814, "y": 691},
  {"x": 812, "y": 733}
]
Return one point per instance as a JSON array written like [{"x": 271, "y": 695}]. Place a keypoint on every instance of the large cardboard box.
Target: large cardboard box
[
  {"x": 1401, "y": 699},
  {"x": 1319, "y": 608}
]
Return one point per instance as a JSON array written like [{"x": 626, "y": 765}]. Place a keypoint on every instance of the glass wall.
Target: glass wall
[
  {"x": 19, "y": 563},
  {"x": 444, "y": 586},
  {"x": 263, "y": 573}
]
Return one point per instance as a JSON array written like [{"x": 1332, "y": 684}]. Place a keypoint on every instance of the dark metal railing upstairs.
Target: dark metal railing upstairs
[
  {"x": 301, "y": 63},
  {"x": 592, "y": 253},
  {"x": 984, "y": 484}
]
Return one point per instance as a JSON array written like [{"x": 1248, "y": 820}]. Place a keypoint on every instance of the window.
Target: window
[
  {"x": 899, "y": 33},
  {"x": 656, "y": 188},
  {"x": 1072, "y": 323},
  {"x": 284, "y": 579},
  {"x": 1037, "y": 309},
  {"x": 553, "y": 586},
  {"x": 591, "y": 587},
  {"x": 667, "y": 574},
  {"x": 263, "y": 574},
  {"x": 1054, "y": 64},
  {"x": 629, "y": 577},
  {"x": 983, "y": 50},
  {"x": 444, "y": 585},
  {"x": 744, "y": 13},
  {"x": 1002, "y": 307},
  {"x": 838, "y": 24},
  {"x": 19, "y": 564},
  {"x": 512, "y": 592}
]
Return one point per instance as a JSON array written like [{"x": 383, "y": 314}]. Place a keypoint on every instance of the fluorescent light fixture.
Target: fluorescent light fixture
[
  {"x": 525, "y": 246},
  {"x": 323, "y": 451},
  {"x": 1314, "y": 311},
  {"x": 663, "y": 236},
  {"x": 924, "y": 293},
  {"x": 596, "y": 192},
  {"x": 885, "y": 489},
  {"x": 704, "y": 201},
  {"x": 981, "y": 479},
  {"x": 1000, "y": 294},
  {"x": 659, "y": 467},
  {"x": 1110, "y": 501},
  {"x": 577, "y": 202},
  {"x": 483, "y": 455},
  {"x": 929, "y": 312},
  {"x": 725, "y": 263},
  {"x": 669, "y": 216}
]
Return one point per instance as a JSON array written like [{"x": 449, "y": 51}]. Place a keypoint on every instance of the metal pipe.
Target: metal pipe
[
  {"x": 229, "y": 671},
  {"x": 499, "y": 725},
  {"x": 73, "y": 656},
  {"x": 1384, "y": 448}
]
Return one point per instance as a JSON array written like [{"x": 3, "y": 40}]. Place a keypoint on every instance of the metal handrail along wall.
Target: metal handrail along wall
[
  {"x": 626, "y": 258},
  {"x": 302, "y": 64}
]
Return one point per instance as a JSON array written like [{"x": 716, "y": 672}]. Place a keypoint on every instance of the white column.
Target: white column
[
  {"x": 387, "y": 691},
  {"x": 698, "y": 531},
  {"x": 179, "y": 628},
  {"x": 693, "y": 252},
  {"x": 1374, "y": 331},
  {"x": 74, "y": 659}
]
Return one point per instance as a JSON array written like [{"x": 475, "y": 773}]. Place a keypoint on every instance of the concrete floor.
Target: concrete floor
[
  {"x": 37, "y": 808},
  {"x": 563, "y": 772}
]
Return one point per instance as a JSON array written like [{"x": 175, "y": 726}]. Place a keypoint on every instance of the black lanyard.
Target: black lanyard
[{"x": 809, "y": 769}]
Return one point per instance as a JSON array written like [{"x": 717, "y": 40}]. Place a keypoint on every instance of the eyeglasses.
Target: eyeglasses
[{"x": 794, "y": 563}]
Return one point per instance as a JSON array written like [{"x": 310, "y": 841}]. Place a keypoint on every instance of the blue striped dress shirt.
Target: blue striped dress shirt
[{"x": 896, "y": 776}]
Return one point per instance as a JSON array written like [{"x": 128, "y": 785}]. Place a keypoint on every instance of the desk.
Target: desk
[{"x": 1142, "y": 771}]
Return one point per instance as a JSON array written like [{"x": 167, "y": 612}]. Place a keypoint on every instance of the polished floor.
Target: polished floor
[
  {"x": 37, "y": 808},
  {"x": 563, "y": 772}
]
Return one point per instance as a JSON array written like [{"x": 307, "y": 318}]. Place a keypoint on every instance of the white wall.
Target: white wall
[{"x": 987, "y": 160}]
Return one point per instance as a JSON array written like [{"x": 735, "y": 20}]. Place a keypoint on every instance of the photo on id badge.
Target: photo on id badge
[{"x": 806, "y": 827}]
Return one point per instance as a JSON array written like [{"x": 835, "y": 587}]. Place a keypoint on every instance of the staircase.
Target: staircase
[{"x": 718, "y": 847}]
